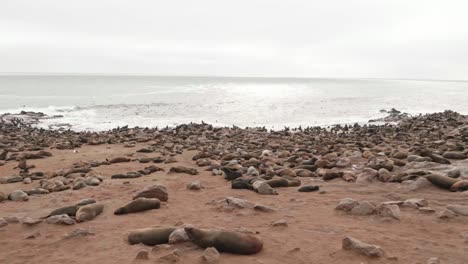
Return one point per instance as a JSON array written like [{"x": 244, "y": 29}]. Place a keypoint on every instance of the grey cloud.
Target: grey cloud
[{"x": 356, "y": 38}]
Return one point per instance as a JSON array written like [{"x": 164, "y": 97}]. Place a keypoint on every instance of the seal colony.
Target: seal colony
[{"x": 393, "y": 174}]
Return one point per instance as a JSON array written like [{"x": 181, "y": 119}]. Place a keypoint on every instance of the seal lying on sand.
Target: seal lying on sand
[
  {"x": 150, "y": 236},
  {"x": 441, "y": 181},
  {"x": 225, "y": 241},
  {"x": 89, "y": 212},
  {"x": 139, "y": 205},
  {"x": 230, "y": 174},
  {"x": 459, "y": 186},
  {"x": 68, "y": 210}
]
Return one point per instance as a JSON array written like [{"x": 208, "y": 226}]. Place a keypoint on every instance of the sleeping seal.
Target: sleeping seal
[{"x": 225, "y": 241}]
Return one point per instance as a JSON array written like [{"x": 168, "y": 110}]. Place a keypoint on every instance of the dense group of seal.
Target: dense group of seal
[{"x": 257, "y": 159}]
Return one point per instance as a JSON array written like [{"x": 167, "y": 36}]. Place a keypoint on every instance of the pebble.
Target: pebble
[
  {"x": 178, "y": 236},
  {"x": 427, "y": 210},
  {"x": 458, "y": 209},
  {"x": 210, "y": 256},
  {"x": 195, "y": 186},
  {"x": 280, "y": 222},
  {"x": 346, "y": 204},
  {"x": 142, "y": 255},
  {"x": 363, "y": 248},
  {"x": 363, "y": 208},
  {"x": 433, "y": 261},
  {"x": 263, "y": 208},
  {"x": 418, "y": 184},
  {"x": 30, "y": 221},
  {"x": 79, "y": 232},
  {"x": 389, "y": 210},
  {"x": 3, "y": 222},
  {"x": 446, "y": 214},
  {"x": 27, "y": 180},
  {"x": 415, "y": 203}
]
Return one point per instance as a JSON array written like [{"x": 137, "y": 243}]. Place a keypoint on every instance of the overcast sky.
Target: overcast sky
[{"x": 347, "y": 38}]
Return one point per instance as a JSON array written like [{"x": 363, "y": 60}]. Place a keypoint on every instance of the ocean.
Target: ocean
[{"x": 103, "y": 102}]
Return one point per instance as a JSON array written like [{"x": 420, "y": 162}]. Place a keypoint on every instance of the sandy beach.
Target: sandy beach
[{"x": 377, "y": 164}]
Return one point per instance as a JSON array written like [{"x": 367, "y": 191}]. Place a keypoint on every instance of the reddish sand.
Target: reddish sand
[{"x": 313, "y": 235}]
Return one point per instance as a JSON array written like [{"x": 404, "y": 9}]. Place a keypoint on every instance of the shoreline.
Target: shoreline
[{"x": 400, "y": 179}]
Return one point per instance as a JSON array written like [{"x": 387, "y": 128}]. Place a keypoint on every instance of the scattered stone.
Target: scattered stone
[
  {"x": 426, "y": 210},
  {"x": 346, "y": 204},
  {"x": 384, "y": 175},
  {"x": 210, "y": 256},
  {"x": 195, "y": 186},
  {"x": 364, "y": 208},
  {"x": 363, "y": 248},
  {"x": 3, "y": 197},
  {"x": 415, "y": 203},
  {"x": 231, "y": 202},
  {"x": 12, "y": 219},
  {"x": 79, "y": 232},
  {"x": 33, "y": 235},
  {"x": 433, "y": 261},
  {"x": 446, "y": 214},
  {"x": 458, "y": 209},
  {"x": 389, "y": 210},
  {"x": 30, "y": 221},
  {"x": 27, "y": 180},
  {"x": 420, "y": 183},
  {"x": 280, "y": 222},
  {"x": 142, "y": 255},
  {"x": 178, "y": 236},
  {"x": 263, "y": 208},
  {"x": 3, "y": 222}
]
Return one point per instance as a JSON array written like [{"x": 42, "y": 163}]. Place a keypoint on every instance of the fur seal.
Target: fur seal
[
  {"x": 89, "y": 212},
  {"x": 139, "y": 205},
  {"x": 441, "y": 181},
  {"x": 277, "y": 182},
  {"x": 459, "y": 186},
  {"x": 150, "y": 236},
  {"x": 68, "y": 210},
  {"x": 225, "y": 241},
  {"x": 308, "y": 188},
  {"x": 230, "y": 174}
]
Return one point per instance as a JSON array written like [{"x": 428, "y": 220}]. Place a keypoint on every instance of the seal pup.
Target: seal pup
[
  {"x": 89, "y": 212},
  {"x": 150, "y": 236},
  {"x": 225, "y": 241},
  {"x": 230, "y": 174},
  {"x": 139, "y": 205}
]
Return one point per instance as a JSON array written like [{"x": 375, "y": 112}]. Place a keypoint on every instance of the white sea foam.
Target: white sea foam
[{"x": 101, "y": 103}]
